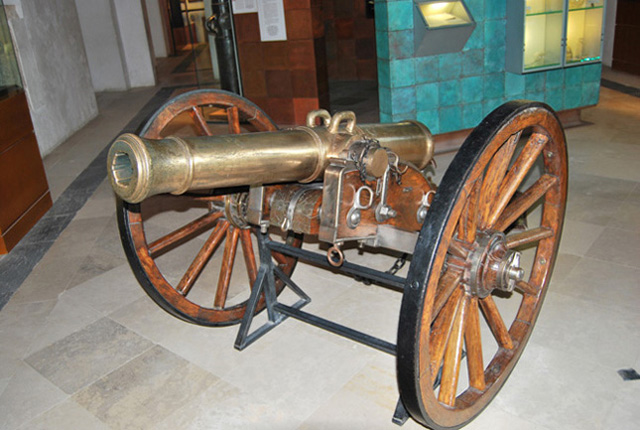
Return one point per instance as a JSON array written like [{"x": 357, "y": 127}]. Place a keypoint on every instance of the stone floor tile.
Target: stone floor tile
[
  {"x": 145, "y": 391},
  {"x": 590, "y": 209},
  {"x": 19, "y": 323},
  {"x": 86, "y": 355},
  {"x": 67, "y": 316},
  {"x": 558, "y": 390},
  {"x": 367, "y": 308},
  {"x": 212, "y": 348},
  {"x": 564, "y": 265},
  {"x": 377, "y": 382},
  {"x": 27, "y": 395},
  {"x": 606, "y": 283},
  {"x": 348, "y": 410},
  {"x": 495, "y": 418},
  {"x": 624, "y": 415},
  {"x": 146, "y": 318},
  {"x": 617, "y": 246},
  {"x": 627, "y": 216},
  {"x": 601, "y": 187},
  {"x": 65, "y": 416},
  {"x": 597, "y": 333},
  {"x": 296, "y": 372},
  {"x": 225, "y": 407},
  {"x": 578, "y": 236},
  {"x": 33, "y": 290},
  {"x": 109, "y": 291}
]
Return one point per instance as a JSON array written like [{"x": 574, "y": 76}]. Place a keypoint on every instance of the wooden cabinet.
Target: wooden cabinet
[{"x": 24, "y": 192}]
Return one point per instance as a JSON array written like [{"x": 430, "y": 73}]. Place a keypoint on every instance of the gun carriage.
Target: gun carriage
[{"x": 481, "y": 244}]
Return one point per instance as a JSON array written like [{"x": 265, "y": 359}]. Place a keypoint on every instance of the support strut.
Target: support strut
[{"x": 277, "y": 312}]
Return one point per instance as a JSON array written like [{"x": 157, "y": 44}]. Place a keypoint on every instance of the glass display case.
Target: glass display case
[
  {"x": 9, "y": 73},
  {"x": 584, "y": 31},
  {"x": 543, "y": 31},
  {"x": 547, "y": 34},
  {"x": 441, "y": 26}
]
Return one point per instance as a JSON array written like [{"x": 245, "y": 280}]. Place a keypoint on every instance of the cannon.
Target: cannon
[{"x": 210, "y": 168}]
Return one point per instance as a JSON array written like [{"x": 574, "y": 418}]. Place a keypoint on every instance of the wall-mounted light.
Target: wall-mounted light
[{"x": 441, "y": 26}]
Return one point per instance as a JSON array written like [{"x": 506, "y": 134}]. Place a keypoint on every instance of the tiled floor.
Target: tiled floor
[{"x": 81, "y": 345}]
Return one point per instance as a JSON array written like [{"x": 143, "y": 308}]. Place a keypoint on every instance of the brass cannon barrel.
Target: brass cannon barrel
[{"x": 139, "y": 168}]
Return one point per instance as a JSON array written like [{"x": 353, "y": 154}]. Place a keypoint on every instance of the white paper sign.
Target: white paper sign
[
  {"x": 271, "y": 19},
  {"x": 244, "y": 6}
]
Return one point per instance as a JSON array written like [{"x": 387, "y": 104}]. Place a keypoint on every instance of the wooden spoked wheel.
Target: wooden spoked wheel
[
  {"x": 463, "y": 326},
  {"x": 183, "y": 249}
]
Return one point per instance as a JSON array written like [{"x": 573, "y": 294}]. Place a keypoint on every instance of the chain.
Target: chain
[
  {"x": 397, "y": 265},
  {"x": 358, "y": 156}
]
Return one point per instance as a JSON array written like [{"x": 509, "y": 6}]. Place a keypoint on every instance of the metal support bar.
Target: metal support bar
[
  {"x": 400, "y": 416},
  {"x": 265, "y": 284},
  {"x": 341, "y": 330},
  {"x": 397, "y": 282}
]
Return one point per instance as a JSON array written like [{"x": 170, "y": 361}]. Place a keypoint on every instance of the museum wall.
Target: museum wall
[
  {"x": 351, "y": 44},
  {"x": 454, "y": 91},
  {"x": 134, "y": 43},
  {"x": 54, "y": 68},
  {"x": 609, "y": 32},
  {"x": 117, "y": 43},
  {"x": 154, "y": 18},
  {"x": 286, "y": 78},
  {"x": 100, "y": 34}
]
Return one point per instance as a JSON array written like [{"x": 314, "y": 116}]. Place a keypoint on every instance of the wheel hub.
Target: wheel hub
[
  {"x": 491, "y": 265},
  {"x": 235, "y": 209}
]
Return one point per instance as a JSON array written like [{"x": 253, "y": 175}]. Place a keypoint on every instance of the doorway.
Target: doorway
[
  {"x": 627, "y": 37},
  {"x": 190, "y": 40},
  {"x": 351, "y": 57}
]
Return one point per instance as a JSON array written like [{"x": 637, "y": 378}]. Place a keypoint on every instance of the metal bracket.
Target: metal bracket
[
  {"x": 265, "y": 284},
  {"x": 400, "y": 416}
]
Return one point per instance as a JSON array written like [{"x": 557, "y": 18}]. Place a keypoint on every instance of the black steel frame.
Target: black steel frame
[{"x": 278, "y": 312}]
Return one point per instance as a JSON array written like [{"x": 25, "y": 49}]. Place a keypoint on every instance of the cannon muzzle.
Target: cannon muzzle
[{"x": 139, "y": 168}]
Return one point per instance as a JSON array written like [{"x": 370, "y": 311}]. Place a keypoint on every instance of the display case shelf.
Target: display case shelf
[
  {"x": 586, "y": 8},
  {"x": 550, "y": 12}
]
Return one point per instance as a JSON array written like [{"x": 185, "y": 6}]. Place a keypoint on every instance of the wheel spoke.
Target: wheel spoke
[
  {"x": 527, "y": 288},
  {"x": 468, "y": 222},
  {"x": 523, "y": 202},
  {"x": 196, "y": 114},
  {"x": 202, "y": 258},
  {"x": 457, "y": 249},
  {"x": 446, "y": 286},
  {"x": 496, "y": 324},
  {"x": 440, "y": 331},
  {"x": 226, "y": 268},
  {"x": 249, "y": 256},
  {"x": 494, "y": 176},
  {"x": 517, "y": 173},
  {"x": 452, "y": 356},
  {"x": 473, "y": 342},
  {"x": 158, "y": 246},
  {"x": 234, "y": 120},
  {"x": 528, "y": 236}
]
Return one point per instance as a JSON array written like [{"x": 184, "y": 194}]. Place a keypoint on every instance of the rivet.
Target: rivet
[{"x": 543, "y": 261}]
